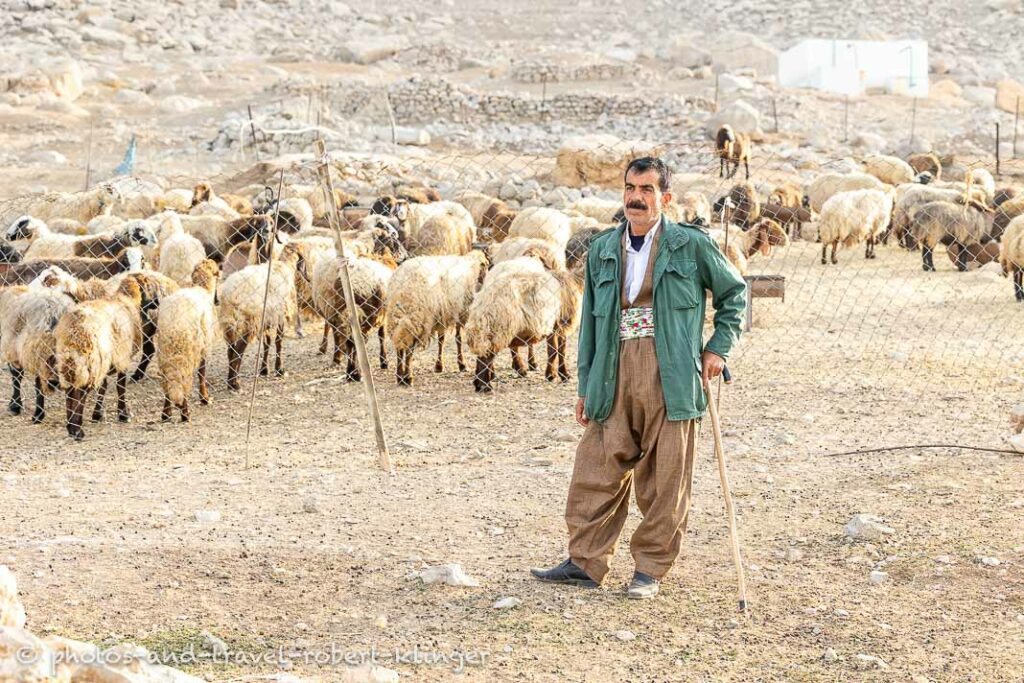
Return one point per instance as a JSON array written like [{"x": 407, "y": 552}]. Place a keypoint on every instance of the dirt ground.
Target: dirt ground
[{"x": 314, "y": 545}]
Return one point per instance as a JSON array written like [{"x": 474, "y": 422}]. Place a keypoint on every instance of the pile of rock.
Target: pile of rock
[
  {"x": 598, "y": 160},
  {"x": 538, "y": 71}
]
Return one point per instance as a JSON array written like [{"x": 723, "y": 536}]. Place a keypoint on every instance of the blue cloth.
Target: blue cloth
[{"x": 127, "y": 166}]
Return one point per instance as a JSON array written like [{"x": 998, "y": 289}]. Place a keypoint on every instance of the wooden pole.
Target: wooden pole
[
  {"x": 88, "y": 157},
  {"x": 252, "y": 128},
  {"x": 997, "y": 148},
  {"x": 543, "y": 94},
  {"x": 716, "y": 92},
  {"x": 327, "y": 185},
  {"x": 391, "y": 118},
  {"x": 309, "y": 107},
  {"x": 913, "y": 122},
  {"x": 846, "y": 118},
  {"x": 263, "y": 317},
  {"x": 775, "y": 113},
  {"x": 1016, "y": 119}
]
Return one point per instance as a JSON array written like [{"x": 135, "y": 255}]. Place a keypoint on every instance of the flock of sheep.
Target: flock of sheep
[{"x": 94, "y": 285}]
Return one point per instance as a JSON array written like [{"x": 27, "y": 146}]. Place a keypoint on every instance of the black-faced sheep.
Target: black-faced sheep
[
  {"x": 958, "y": 226},
  {"x": 732, "y": 148},
  {"x": 9, "y": 253},
  {"x": 926, "y": 163},
  {"x": 129, "y": 260},
  {"x": 46, "y": 244}
]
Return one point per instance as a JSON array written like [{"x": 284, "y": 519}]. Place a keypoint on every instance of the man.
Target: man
[{"x": 641, "y": 375}]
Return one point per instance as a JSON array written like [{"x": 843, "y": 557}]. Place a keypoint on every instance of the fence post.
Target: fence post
[
  {"x": 716, "y": 92},
  {"x": 997, "y": 148},
  {"x": 913, "y": 122},
  {"x": 327, "y": 185},
  {"x": 88, "y": 157},
  {"x": 544, "y": 95},
  {"x": 391, "y": 118},
  {"x": 1016, "y": 118},
  {"x": 252, "y": 127},
  {"x": 846, "y": 118},
  {"x": 775, "y": 113}
]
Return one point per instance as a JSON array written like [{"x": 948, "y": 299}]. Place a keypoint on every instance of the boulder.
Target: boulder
[
  {"x": 980, "y": 95},
  {"x": 598, "y": 159},
  {"x": 370, "y": 48},
  {"x": 729, "y": 83},
  {"x": 743, "y": 118},
  {"x": 683, "y": 53},
  {"x": 1008, "y": 92},
  {"x": 735, "y": 50},
  {"x": 945, "y": 89}
]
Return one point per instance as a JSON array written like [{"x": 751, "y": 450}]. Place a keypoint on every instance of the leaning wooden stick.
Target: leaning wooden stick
[
  {"x": 730, "y": 513},
  {"x": 327, "y": 185}
]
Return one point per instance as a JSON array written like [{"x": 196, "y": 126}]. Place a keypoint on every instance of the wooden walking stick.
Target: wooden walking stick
[{"x": 723, "y": 475}]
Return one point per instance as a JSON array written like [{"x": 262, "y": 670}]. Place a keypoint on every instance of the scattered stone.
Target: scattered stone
[
  {"x": 214, "y": 644},
  {"x": 944, "y": 559},
  {"x": 743, "y": 118},
  {"x": 830, "y": 656},
  {"x": 507, "y": 603},
  {"x": 988, "y": 561},
  {"x": 794, "y": 555},
  {"x": 1008, "y": 92},
  {"x": 865, "y": 527},
  {"x": 868, "y": 662},
  {"x": 841, "y": 613},
  {"x": 208, "y": 516},
  {"x": 448, "y": 574},
  {"x": 624, "y": 636},
  {"x": 371, "y": 48},
  {"x": 311, "y": 505},
  {"x": 878, "y": 577}
]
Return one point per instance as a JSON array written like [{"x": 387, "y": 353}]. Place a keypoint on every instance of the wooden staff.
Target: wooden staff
[{"x": 327, "y": 186}]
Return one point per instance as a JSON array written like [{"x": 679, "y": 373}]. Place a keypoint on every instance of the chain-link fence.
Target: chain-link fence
[{"x": 887, "y": 292}]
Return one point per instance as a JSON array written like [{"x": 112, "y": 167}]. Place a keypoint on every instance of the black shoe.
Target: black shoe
[
  {"x": 642, "y": 587},
  {"x": 567, "y": 573}
]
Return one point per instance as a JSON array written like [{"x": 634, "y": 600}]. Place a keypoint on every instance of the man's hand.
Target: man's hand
[
  {"x": 711, "y": 365},
  {"x": 580, "y": 417}
]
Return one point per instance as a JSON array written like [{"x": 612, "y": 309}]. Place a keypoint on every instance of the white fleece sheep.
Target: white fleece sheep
[
  {"x": 180, "y": 252},
  {"x": 853, "y": 217},
  {"x": 443, "y": 234},
  {"x": 104, "y": 224},
  {"x": 369, "y": 278},
  {"x": 28, "y": 345},
  {"x": 241, "y": 308},
  {"x": 80, "y": 207},
  {"x": 187, "y": 328},
  {"x": 889, "y": 169},
  {"x": 215, "y": 206},
  {"x": 94, "y": 339},
  {"x": 521, "y": 307},
  {"x": 417, "y": 216},
  {"x": 551, "y": 256},
  {"x": 828, "y": 184},
  {"x": 46, "y": 244},
  {"x": 178, "y": 199},
  {"x": 427, "y": 296},
  {"x": 602, "y": 210},
  {"x": 543, "y": 223},
  {"x": 1012, "y": 255}
]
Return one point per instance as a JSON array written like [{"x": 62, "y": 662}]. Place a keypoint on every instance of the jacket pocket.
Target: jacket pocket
[
  {"x": 604, "y": 288},
  {"x": 681, "y": 284}
]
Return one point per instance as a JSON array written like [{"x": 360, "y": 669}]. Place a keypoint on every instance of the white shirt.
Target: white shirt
[{"x": 636, "y": 262}]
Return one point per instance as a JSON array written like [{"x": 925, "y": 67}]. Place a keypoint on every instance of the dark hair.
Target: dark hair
[{"x": 644, "y": 164}]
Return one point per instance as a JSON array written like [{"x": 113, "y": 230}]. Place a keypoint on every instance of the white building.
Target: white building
[{"x": 852, "y": 67}]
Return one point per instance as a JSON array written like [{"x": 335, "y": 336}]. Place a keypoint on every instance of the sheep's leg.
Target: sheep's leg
[
  {"x": 186, "y": 413},
  {"x": 124, "y": 411},
  {"x": 323, "y": 340},
  {"x": 264, "y": 358},
  {"x": 351, "y": 371},
  {"x": 458, "y": 348},
  {"x": 204, "y": 387},
  {"x": 926, "y": 258},
  {"x": 101, "y": 395},
  {"x": 552, "y": 364},
  {"x": 563, "y": 371},
  {"x": 16, "y": 376},
  {"x": 402, "y": 375},
  {"x": 148, "y": 351},
  {"x": 338, "y": 344},
  {"x": 531, "y": 360},
  {"x": 439, "y": 365},
  {"x": 517, "y": 361},
  {"x": 960, "y": 256},
  {"x": 484, "y": 375},
  {"x": 298, "y": 324},
  {"x": 383, "y": 348},
  {"x": 235, "y": 352},
  {"x": 824, "y": 252},
  {"x": 1018, "y": 283},
  {"x": 278, "y": 351},
  {"x": 721, "y": 166},
  {"x": 835, "y": 245},
  {"x": 746, "y": 166},
  {"x": 165, "y": 412},
  {"x": 75, "y": 408},
  {"x": 40, "y": 411}
]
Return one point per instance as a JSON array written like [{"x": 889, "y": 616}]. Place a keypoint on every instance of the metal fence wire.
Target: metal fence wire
[{"x": 887, "y": 290}]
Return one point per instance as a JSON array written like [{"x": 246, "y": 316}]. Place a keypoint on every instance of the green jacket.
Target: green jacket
[{"x": 687, "y": 262}]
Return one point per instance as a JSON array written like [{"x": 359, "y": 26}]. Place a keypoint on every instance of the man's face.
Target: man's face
[{"x": 641, "y": 199}]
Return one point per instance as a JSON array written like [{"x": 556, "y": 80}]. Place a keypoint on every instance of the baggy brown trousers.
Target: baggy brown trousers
[{"x": 636, "y": 447}]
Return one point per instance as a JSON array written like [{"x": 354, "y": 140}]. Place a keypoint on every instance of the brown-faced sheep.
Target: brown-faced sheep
[
  {"x": 926, "y": 163},
  {"x": 1012, "y": 257},
  {"x": 789, "y": 217},
  {"x": 732, "y": 148},
  {"x": 788, "y": 195}
]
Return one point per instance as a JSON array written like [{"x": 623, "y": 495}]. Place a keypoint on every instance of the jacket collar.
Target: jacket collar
[{"x": 673, "y": 236}]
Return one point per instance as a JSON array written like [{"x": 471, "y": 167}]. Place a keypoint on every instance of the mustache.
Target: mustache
[{"x": 636, "y": 205}]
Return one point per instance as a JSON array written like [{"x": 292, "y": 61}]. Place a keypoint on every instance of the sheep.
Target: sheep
[
  {"x": 732, "y": 148},
  {"x": 521, "y": 307},
  {"x": 219, "y": 237},
  {"x": 418, "y": 215},
  {"x": 579, "y": 222},
  {"x": 853, "y": 217},
  {"x": 926, "y": 163},
  {"x": 178, "y": 200},
  {"x": 602, "y": 210},
  {"x": 100, "y": 225},
  {"x": 313, "y": 250},
  {"x": 1007, "y": 210},
  {"x": 9, "y": 253},
  {"x": 293, "y": 214},
  {"x": 888, "y": 169},
  {"x": 789, "y": 217},
  {"x": 427, "y": 296},
  {"x": 80, "y": 207},
  {"x": 1012, "y": 257},
  {"x": 543, "y": 223},
  {"x": 241, "y": 309},
  {"x": 188, "y": 325},
  {"x": 787, "y": 195},
  {"x": 551, "y": 256},
  {"x": 911, "y": 196},
  {"x": 206, "y": 203},
  {"x": 490, "y": 214},
  {"x": 154, "y": 287},
  {"x": 28, "y": 343},
  {"x": 578, "y": 245},
  {"x": 444, "y": 234},
  {"x": 94, "y": 339},
  {"x": 1003, "y": 195},
  {"x": 958, "y": 226},
  {"x": 417, "y": 194},
  {"x": 318, "y": 202},
  {"x": 179, "y": 252},
  {"x": 760, "y": 238},
  {"x": 741, "y": 205},
  {"x": 824, "y": 186},
  {"x": 45, "y": 244},
  {"x": 131, "y": 259}
]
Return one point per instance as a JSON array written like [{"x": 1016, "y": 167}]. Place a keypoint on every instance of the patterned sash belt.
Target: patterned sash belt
[{"x": 636, "y": 323}]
